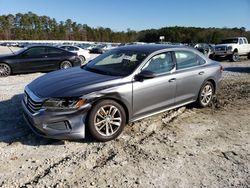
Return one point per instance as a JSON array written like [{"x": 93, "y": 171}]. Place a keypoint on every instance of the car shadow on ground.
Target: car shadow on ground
[
  {"x": 238, "y": 69},
  {"x": 13, "y": 128}
]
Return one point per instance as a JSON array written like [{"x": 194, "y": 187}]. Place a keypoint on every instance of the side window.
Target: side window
[
  {"x": 71, "y": 48},
  {"x": 54, "y": 51},
  {"x": 161, "y": 63},
  {"x": 35, "y": 52},
  {"x": 186, "y": 59},
  {"x": 245, "y": 41},
  {"x": 240, "y": 41},
  {"x": 200, "y": 60},
  {"x": 76, "y": 49}
]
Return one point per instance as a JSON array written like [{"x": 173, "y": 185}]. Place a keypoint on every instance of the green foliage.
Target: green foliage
[{"x": 30, "y": 26}]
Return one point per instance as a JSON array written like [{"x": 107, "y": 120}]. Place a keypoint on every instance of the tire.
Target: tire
[
  {"x": 83, "y": 59},
  {"x": 106, "y": 120},
  {"x": 206, "y": 94},
  {"x": 65, "y": 64},
  {"x": 5, "y": 70},
  {"x": 235, "y": 56}
]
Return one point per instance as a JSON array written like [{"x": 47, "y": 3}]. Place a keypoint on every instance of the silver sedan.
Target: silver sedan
[{"x": 120, "y": 86}]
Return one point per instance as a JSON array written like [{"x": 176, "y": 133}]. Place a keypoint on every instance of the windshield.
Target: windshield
[
  {"x": 229, "y": 41},
  {"x": 116, "y": 62},
  {"x": 21, "y": 50}
]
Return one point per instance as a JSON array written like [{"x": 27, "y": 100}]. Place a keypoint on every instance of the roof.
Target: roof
[{"x": 148, "y": 48}]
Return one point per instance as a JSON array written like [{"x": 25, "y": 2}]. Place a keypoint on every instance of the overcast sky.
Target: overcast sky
[{"x": 138, "y": 14}]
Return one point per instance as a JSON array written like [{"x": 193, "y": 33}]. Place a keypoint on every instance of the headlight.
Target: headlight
[
  {"x": 64, "y": 103},
  {"x": 229, "y": 48}
]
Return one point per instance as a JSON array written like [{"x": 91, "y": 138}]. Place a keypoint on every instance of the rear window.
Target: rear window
[
  {"x": 186, "y": 59},
  {"x": 55, "y": 51}
]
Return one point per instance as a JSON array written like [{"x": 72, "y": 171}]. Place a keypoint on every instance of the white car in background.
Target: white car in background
[{"x": 83, "y": 54}]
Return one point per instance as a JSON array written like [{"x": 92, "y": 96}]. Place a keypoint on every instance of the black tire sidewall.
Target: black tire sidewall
[
  {"x": 199, "y": 97},
  {"x": 91, "y": 116}
]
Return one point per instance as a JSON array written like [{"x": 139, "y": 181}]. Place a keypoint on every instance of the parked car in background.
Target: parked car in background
[
  {"x": 82, "y": 53},
  {"x": 204, "y": 48},
  {"x": 120, "y": 86},
  {"x": 100, "y": 49},
  {"x": 232, "y": 48},
  {"x": 37, "y": 58}
]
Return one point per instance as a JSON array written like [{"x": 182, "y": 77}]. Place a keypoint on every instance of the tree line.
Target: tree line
[{"x": 30, "y": 26}]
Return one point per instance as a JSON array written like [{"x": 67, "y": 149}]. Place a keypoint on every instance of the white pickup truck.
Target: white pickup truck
[{"x": 232, "y": 48}]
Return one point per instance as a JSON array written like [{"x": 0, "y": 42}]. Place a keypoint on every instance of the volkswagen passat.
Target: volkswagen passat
[{"x": 123, "y": 85}]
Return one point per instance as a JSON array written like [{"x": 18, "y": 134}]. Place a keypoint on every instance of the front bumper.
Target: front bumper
[
  {"x": 223, "y": 53},
  {"x": 57, "y": 124}
]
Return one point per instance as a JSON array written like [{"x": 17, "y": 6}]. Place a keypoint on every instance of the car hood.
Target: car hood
[
  {"x": 7, "y": 56},
  {"x": 73, "y": 82}
]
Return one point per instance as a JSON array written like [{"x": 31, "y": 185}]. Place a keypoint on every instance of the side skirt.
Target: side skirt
[{"x": 164, "y": 110}]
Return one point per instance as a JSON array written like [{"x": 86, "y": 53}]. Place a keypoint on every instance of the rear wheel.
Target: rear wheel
[
  {"x": 235, "y": 56},
  {"x": 106, "y": 120},
  {"x": 65, "y": 64},
  {"x": 83, "y": 59},
  {"x": 5, "y": 70},
  {"x": 206, "y": 95}
]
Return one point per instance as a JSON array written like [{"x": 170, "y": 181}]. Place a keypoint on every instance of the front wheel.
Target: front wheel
[
  {"x": 65, "y": 64},
  {"x": 206, "y": 95},
  {"x": 5, "y": 70},
  {"x": 106, "y": 120},
  {"x": 235, "y": 56}
]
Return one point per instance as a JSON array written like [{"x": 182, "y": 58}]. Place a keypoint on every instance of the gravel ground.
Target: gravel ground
[{"x": 187, "y": 147}]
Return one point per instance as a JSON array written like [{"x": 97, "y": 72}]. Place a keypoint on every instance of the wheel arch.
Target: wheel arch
[{"x": 235, "y": 50}]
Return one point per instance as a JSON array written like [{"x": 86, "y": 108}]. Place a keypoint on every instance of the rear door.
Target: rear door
[
  {"x": 55, "y": 57},
  {"x": 190, "y": 74},
  {"x": 155, "y": 94}
]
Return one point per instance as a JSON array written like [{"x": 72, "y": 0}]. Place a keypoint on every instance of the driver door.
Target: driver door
[
  {"x": 158, "y": 93},
  {"x": 33, "y": 59}
]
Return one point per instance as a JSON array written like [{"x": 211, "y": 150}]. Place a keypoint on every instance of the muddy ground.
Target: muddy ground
[{"x": 187, "y": 147}]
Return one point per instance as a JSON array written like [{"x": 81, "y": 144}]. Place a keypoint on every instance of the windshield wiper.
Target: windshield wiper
[{"x": 97, "y": 71}]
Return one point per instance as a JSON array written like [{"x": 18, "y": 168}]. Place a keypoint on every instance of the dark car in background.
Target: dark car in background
[
  {"x": 37, "y": 58},
  {"x": 120, "y": 86},
  {"x": 100, "y": 49},
  {"x": 204, "y": 48}
]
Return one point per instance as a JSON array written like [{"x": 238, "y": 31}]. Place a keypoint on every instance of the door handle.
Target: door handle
[
  {"x": 45, "y": 56},
  {"x": 201, "y": 73},
  {"x": 172, "y": 80}
]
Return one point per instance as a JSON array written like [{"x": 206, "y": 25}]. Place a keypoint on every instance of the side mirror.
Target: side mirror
[{"x": 145, "y": 74}]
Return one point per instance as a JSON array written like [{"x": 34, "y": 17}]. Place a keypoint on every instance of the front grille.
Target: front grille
[
  {"x": 32, "y": 105},
  {"x": 221, "y": 48}
]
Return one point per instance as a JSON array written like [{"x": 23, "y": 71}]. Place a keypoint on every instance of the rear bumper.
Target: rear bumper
[{"x": 57, "y": 125}]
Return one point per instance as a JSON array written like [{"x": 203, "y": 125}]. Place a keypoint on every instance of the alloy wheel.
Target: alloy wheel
[
  {"x": 65, "y": 65},
  {"x": 107, "y": 120},
  {"x": 4, "y": 70},
  {"x": 206, "y": 94},
  {"x": 235, "y": 56}
]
